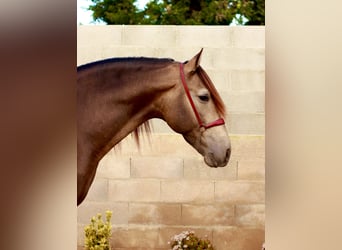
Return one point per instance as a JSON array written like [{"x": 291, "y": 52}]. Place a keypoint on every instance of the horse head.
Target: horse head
[{"x": 196, "y": 111}]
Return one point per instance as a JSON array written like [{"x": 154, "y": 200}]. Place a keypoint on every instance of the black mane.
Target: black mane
[{"x": 150, "y": 60}]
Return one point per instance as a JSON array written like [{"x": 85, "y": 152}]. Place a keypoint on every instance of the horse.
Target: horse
[{"x": 118, "y": 96}]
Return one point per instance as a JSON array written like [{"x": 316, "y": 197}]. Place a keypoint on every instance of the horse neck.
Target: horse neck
[{"x": 121, "y": 98}]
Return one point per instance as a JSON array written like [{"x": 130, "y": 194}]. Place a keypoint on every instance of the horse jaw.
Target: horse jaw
[{"x": 213, "y": 144}]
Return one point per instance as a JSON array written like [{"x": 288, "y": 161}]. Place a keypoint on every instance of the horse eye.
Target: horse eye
[{"x": 204, "y": 98}]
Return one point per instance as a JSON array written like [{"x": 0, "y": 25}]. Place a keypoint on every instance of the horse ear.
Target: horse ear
[{"x": 193, "y": 63}]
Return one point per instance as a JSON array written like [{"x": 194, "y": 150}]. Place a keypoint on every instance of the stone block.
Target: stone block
[
  {"x": 160, "y": 41},
  {"x": 134, "y": 190},
  {"x": 221, "y": 80},
  {"x": 135, "y": 237},
  {"x": 250, "y": 216},
  {"x": 160, "y": 126},
  {"x": 157, "y": 213},
  {"x": 248, "y": 36},
  {"x": 168, "y": 145},
  {"x": 80, "y": 234},
  {"x": 244, "y": 101},
  {"x": 117, "y": 51},
  {"x": 208, "y": 215},
  {"x": 98, "y": 35},
  {"x": 98, "y": 190},
  {"x": 126, "y": 51},
  {"x": 187, "y": 191},
  {"x": 248, "y": 80},
  {"x": 114, "y": 167},
  {"x": 182, "y": 55},
  {"x": 251, "y": 169},
  {"x": 86, "y": 55},
  {"x": 240, "y": 192},
  {"x": 157, "y": 167},
  {"x": 235, "y": 59},
  {"x": 238, "y": 239},
  {"x": 87, "y": 210},
  {"x": 203, "y": 36},
  {"x": 196, "y": 168},
  {"x": 246, "y": 123},
  {"x": 248, "y": 147},
  {"x": 129, "y": 148},
  {"x": 149, "y": 36}
]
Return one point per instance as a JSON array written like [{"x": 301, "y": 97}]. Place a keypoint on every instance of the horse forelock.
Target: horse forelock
[{"x": 218, "y": 102}]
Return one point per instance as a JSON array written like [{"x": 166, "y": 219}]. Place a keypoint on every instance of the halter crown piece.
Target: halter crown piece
[{"x": 217, "y": 122}]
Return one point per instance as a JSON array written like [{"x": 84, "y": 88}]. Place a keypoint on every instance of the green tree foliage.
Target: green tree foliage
[
  {"x": 253, "y": 11},
  {"x": 178, "y": 12},
  {"x": 116, "y": 11}
]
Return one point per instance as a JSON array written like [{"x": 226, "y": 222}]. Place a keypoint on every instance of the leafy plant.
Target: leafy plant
[
  {"x": 98, "y": 233},
  {"x": 187, "y": 240}
]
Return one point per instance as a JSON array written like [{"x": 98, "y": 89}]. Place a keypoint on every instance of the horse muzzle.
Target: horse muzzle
[{"x": 217, "y": 160}]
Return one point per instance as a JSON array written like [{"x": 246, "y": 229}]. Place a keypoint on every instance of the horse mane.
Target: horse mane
[
  {"x": 218, "y": 102},
  {"x": 144, "y": 128},
  {"x": 149, "y": 60}
]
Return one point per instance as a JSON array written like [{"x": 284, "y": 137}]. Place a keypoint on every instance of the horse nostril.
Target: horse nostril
[{"x": 228, "y": 154}]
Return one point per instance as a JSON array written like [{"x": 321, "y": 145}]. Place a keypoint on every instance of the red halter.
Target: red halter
[{"x": 218, "y": 122}]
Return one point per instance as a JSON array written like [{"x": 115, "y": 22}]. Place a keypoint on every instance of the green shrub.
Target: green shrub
[
  {"x": 187, "y": 240},
  {"x": 98, "y": 233}
]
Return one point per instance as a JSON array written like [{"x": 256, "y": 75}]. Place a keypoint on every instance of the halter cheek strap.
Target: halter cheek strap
[{"x": 217, "y": 122}]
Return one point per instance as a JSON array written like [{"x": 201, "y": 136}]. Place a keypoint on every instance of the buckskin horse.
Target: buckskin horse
[{"x": 118, "y": 96}]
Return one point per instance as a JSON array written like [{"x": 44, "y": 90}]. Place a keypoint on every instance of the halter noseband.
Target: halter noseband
[{"x": 217, "y": 122}]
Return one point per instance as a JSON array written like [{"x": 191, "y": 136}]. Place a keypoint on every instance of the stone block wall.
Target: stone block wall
[
  {"x": 165, "y": 187},
  {"x": 234, "y": 58}
]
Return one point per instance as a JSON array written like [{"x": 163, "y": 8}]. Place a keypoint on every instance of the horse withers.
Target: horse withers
[{"x": 117, "y": 96}]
